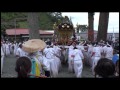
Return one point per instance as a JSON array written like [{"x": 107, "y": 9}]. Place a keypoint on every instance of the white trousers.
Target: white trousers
[
  {"x": 58, "y": 62},
  {"x": 7, "y": 51},
  {"x": 2, "y": 59},
  {"x": 95, "y": 61},
  {"x": 53, "y": 68},
  {"x": 70, "y": 65},
  {"x": 78, "y": 67}
]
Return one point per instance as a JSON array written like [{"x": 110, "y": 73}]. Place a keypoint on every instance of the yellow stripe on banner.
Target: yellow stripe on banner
[{"x": 37, "y": 69}]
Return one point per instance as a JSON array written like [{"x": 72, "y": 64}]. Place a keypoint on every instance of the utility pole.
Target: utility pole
[{"x": 15, "y": 28}]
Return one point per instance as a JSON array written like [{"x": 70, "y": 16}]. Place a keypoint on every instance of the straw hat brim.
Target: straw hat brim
[{"x": 33, "y": 45}]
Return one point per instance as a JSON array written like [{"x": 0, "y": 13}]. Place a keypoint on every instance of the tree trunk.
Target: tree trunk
[
  {"x": 103, "y": 26},
  {"x": 33, "y": 23},
  {"x": 90, "y": 26}
]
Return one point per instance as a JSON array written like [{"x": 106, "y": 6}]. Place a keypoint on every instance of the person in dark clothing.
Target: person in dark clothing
[
  {"x": 117, "y": 68},
  {"x": 105, "y": 68},
  {"x": 23, "y": 67}
]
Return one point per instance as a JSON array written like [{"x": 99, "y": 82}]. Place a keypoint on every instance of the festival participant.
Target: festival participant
[
  {"x": 104, "y": 48},
  {"x": 108, "y": 51},
  {"x": 7, "y": 49},
  {"x": 57, "y": 53},
  {"x": 15, "y": 48},
  {"x": 2, "y": 59},
  {"x": 70, "y": 58},
  {"x": 96, "y": 54},
  {"x": 23, "y": 68},
  {"x": 115, "y": 57},
  {"x": 3, "y": 46},
  {"x": 117, "y": 68},
  {"x": 32, "y": 47},
  {"x": 85, "y": 53},
  {"x": 77, "y": 62},
  {"x": 90, "y": 50},
  {"x": 50, "y": 57},
  {"x": 44, "y": 62},
  {"x": 20, "y": 52},
  {"x": 105, "y": 68},
  {"x": 11, "y": 48}
]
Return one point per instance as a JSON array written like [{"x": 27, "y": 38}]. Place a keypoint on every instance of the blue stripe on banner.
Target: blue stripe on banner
[{"x": 33, "y": 71}]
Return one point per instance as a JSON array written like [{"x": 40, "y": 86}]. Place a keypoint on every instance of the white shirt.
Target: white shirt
[
  {"x": 49, "y": 53},
  {"x": 90, "y": 50},
  {"x": 109, "y": 52},
  {"x": 78, "y": 55},
  {"x": 70, "y": 50},
  {"x": 20, "y": 52},
  {"x": 6, "y": 46},
  {"x": 97, "y": 51},
  {"x": 2, "y": 53},
  {"x": 104, "y": 48},
  {"x": 57, "y": 50}
]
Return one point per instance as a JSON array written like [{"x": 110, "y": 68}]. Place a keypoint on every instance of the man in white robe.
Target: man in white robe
[
  {"x": 45, "y": 65},
  {"x": 2, "y": 59},
  {"x": 96, "y": 54},
  {"x": 108, "y": 52},
  {"x": 77, "y": 62},
  {"x": 15, "y": 48},
  {"x": 70, "y": 58},
  {"x": 3, "y": 46},
  {"x": 7, "y": 49},
  {"x": 49, "y": 54},
  {"x": 20, "y": 52},
  {"x": 90, "y": 50},
  {"x": 57, "y": 53}
]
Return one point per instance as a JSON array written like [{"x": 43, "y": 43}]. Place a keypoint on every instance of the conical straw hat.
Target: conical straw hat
[{"x": 33, "y": 45}]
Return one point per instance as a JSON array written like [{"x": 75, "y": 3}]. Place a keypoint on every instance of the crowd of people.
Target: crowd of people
[{"x": 102, "y": 57}]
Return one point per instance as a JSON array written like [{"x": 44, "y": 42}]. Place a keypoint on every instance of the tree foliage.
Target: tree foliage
[{"x": 46, "y": 20}]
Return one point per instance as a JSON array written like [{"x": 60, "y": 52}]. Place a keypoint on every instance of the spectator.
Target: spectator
[
  {"x": 117, "y": 68},
  {"x": 115, "y": 57},
  {"x": 105, "y": 68},
  {"x": 23, "y": 67}
]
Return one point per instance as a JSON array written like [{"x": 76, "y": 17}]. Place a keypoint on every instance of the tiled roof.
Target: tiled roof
[{"x": 25, "y": 31}]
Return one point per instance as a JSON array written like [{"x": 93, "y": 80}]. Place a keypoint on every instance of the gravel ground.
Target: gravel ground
[{"x": 9, "y": 70}]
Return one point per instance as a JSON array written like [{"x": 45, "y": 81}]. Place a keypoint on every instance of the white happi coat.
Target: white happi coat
[
  {"x": 57, "y": 53},
  {"x": 57, "y": 50},
  {"x": 37, "y": 58},
  {"x": 70, "y": 52},
  {"x": 104, "y": 49},
  {"x": 43, "y": 60},
  {"x": 3, "y": 46},
  {"x": 2, "y": 59},
  {"x": 96, "y": 57},
  {"x": 108, "y": 52},
  {"x": 11, "y": 47},
  {"x": 15, "y": 48},
  {"x": 20, "y": 52},
  {"x": 7, "y": 49},
  {"x": 90, "y": 50},
  {"x": 77, "y": 61},
  {"x": 49, "y": 54}
]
